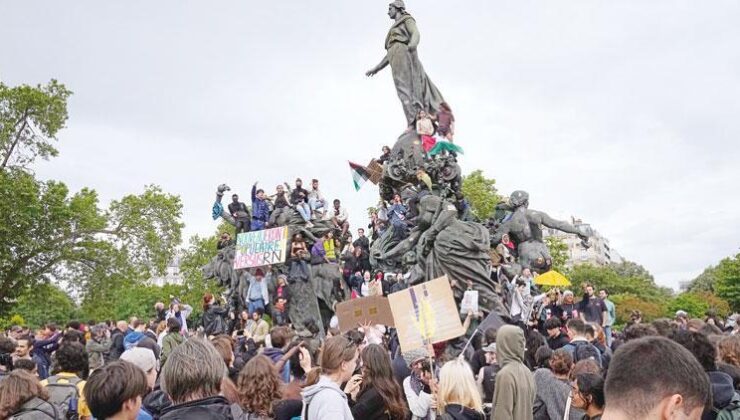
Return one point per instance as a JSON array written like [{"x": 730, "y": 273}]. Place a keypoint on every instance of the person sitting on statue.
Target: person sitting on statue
[
  {"x": 240, "y": 213},
  {"x": 425, "y": 129},
  {"x": 338, "y": 217},
  {"x": 330, "y": 247},
  {"x": 318, "y": 253},
  {"x": 445, "y": 122},
  {"x": 315, "y": 198},
  {"x": 377, "y": 225},
  {"x": 224, "y": 241},
  {"x": 299, "y": 199},
  {"x": 385, "y": 156},
  {"x": 298, "y": 254},
  {"x": 280, "y": 199},
  {"x": 397, "y": 217},
  {"x": 260, "y": 209}
]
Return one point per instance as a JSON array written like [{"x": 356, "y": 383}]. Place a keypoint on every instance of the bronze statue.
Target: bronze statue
[
  {"x": 414, "y": 88},
  {"x": 524, "y": 227}
]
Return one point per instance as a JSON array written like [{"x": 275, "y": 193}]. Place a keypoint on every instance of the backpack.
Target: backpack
[
  {"x": 583, "y": 350},
  {"x": 65, "y": 396},
  {"x": 729, "y": 412}
]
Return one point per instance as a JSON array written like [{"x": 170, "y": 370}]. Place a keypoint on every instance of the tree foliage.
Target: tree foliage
[
  {"x": 558, "y": 252},
  {"x": 728, "y": 281},
  {"x": 696, "y": 304},
  {"x": 481, "y": 193},
  {"x": 49, "y": 234},
  {"x": 704, "y": 282},
  {"x": 45, "y": 303},
  {"x": 120, "y": 298},
  {"x": 633, "y": 283},
  {"x": 30, "y": 118},
  {"x": 626, "y": 303}
]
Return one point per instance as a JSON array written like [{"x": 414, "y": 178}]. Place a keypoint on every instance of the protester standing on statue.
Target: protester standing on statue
[
  {"x": 413, "y": 86},
  {"x": 260, "y": 209}
]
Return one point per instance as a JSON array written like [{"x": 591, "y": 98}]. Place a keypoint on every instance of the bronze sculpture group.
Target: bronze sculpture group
[{"x": 441, "y": 238}]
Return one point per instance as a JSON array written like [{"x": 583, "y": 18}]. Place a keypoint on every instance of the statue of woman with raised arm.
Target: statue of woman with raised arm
[{"x": 414, "y": 88}]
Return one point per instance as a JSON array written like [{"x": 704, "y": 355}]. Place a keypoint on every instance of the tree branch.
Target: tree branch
[{"x": 24, "y": 118}]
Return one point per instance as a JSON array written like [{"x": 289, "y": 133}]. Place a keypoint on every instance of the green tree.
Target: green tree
[
  {"x": 631, "y": 269},
  {"x": 50, "y": 235},
  {"x": 481, "y": 193},
  {"x": 45, "y": 303},
  {"x": 607, "y": 277},
  {"x": 704, "y": 282},
  {"x": 696, "y": 304},
  {"x": 728, "y": 281},
  {"x": 558, "y": 252},
  {"x": 30, "y": 118},
  {"x": 626, "y": 303}
]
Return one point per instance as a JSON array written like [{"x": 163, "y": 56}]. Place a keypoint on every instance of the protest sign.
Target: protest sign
[
  {"x": 373, "y": 309},
  {"x": 425, "y": 314},
  {"x": 260, "y": 248},
  {"x": 469, "y": 302}
]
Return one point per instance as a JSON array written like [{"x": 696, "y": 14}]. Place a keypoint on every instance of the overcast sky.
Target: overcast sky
[{"x": 623, "y": 113}]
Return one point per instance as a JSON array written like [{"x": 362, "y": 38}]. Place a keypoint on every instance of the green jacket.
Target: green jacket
[{"x": 169, "y": 342}]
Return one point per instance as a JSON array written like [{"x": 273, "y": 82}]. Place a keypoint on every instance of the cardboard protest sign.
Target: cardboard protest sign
[
  {"x": 425, "y": 314},
  {"x": 373, "y": 309},
  {"x": 260, "y": 248}
]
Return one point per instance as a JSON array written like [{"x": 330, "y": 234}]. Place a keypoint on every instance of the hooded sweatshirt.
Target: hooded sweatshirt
[
  {"x": 514, "y": 395},
  {"x": 325, "y": 400},
  {"x": 723, "y": 393}
]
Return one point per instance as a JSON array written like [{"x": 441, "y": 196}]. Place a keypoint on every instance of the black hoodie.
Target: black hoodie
[{"x": 458, "y": 412}]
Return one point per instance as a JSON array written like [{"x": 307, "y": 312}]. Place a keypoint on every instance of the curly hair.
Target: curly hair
[
  {"x": 700, "y": 346},
  {"x": 71, "y": 357},
  {"x": 729, "y": 349},
  {"x": 259, "y": 386},
  {"x": 561, "y": 362},
  {"x": 16, "y": 389}
]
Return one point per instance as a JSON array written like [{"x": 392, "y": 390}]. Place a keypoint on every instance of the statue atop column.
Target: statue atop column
[{"x": 414, "y": 88}]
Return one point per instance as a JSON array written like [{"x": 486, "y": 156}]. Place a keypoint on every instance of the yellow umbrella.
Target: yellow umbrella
[{"x": 552, "y": 278}]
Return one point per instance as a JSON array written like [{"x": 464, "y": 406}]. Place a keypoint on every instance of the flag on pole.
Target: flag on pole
[{"x": 360, "y": 174}]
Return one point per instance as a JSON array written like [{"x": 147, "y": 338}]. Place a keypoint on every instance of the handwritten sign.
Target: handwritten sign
[
  {"x": 425, "y": 313},
  {"x": 260, "y": 248},
  {"x": 373, "y": 309}
]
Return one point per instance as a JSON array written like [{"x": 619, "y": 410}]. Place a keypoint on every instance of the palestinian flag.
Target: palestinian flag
[{"x": 360, "y": 174}]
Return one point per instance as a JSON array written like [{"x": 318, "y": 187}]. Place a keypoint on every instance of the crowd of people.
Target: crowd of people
[{"x": 563, "y": 368}]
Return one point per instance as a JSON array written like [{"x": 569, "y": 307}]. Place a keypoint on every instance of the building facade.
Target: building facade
[{"x": 598, "y": 252}]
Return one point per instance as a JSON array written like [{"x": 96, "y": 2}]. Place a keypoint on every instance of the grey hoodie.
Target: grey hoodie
[
  {"x": 325, "y": 400},
  {"x": 514, "y": 395}
]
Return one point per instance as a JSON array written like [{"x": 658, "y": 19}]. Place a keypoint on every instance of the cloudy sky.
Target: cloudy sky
[{"x": 626, "y": 114}]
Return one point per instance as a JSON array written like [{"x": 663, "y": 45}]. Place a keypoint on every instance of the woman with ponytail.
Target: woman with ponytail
[{"x": 322, "y": 397}]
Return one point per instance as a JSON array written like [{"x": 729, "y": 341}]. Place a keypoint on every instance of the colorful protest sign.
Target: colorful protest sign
[
  {"x": 260, "y": 248},
  {"x": 425, "y": 314},
  {"x": 373, "y": 309}
]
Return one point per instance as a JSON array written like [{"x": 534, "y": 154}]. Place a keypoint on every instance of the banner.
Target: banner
[
  {"x": 425, "y": 314},
  {"x": 373, "y": 309},
  {"x": 260, "y": 248}
]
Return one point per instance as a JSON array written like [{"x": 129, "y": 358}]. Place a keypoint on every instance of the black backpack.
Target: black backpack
[
  {"x": 583, "y": 350},
  {"x": 64, "y": 396}
]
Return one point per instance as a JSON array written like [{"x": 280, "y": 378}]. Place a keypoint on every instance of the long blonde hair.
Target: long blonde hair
[{"x": 457, "y": 386}]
